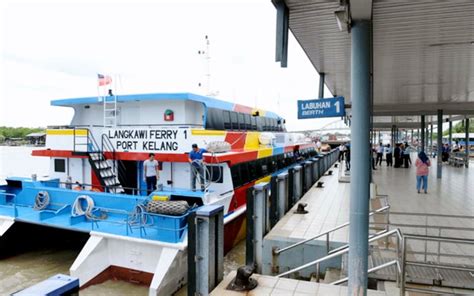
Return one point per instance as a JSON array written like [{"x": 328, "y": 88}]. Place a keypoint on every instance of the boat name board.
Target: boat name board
[{"x": 170, "y": 140}]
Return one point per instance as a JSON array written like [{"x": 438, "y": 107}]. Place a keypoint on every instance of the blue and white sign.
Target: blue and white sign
[{"x": 332, "y": 107}]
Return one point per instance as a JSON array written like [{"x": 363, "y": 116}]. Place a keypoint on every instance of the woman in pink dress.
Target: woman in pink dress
[{"x": 422, "y": 169}]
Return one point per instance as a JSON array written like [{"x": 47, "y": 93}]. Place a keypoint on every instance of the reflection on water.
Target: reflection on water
[{"x": 21, "y": 271}]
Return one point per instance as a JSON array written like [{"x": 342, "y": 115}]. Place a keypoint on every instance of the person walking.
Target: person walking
[
  {"x": 397, "y": 154},
  {"x": 422, "y": 169},
  {"x": 151, "y": 173},
  {"x": 342, "y": 148},
  {"x": 388, "y": 155},
  {"x": 379, "y": 158},
  {"x": 348, "y": 157},
  {"x": 197, "y": 166}
]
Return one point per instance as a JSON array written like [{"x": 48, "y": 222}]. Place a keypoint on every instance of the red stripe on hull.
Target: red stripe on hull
[
  {"x": 236, "y": 140},
  {"x": 234, "y": 232}
]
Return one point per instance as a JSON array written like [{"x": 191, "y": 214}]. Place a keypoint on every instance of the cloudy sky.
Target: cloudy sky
[{"x": 54, "y": 49}]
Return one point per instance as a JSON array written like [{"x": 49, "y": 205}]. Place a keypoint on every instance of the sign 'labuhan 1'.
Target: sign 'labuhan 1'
[{"x": 331, "y": 107}]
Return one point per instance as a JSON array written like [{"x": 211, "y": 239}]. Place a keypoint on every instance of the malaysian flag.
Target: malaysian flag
[{"x": 104, "y": 79}]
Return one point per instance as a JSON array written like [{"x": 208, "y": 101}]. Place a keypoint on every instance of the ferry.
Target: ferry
[{"x": 96, "y": 181}]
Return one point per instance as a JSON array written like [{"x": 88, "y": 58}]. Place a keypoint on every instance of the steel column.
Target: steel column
[
  {"x": 360, "y": 157},
  {"x": 322, "y": 77},
  {"x": 422, "y": 132},
  {"x": 431, "y": 139},
  {"x": 440, "y": 144},
  {"x": 450, "y": 139},
  {"x": 466, "y": 149},
  {"x": 281, "y": 51}
]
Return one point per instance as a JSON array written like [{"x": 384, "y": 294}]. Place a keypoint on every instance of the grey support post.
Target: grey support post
[
  {"x": 205, "y": 249},
  {"x": 431, "y": 139},
  {"x": 450, "y": 139},
  {"x": 466, "y": 149},
  {"x": 439, "y": 145},
  {"x": 256, "y": 220},
  {"x": 322, "y": 76},
  {"x": 422, "y": 133},
  {"x": 360, "y": 158},
  {"x": 297, "y": 189},
  {"x": 282, "y": 184}
]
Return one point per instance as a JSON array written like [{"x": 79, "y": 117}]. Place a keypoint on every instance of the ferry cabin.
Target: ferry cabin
[{"x": 104, "y": 147}]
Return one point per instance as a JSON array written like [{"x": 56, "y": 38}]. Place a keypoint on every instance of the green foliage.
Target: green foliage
[
  {"x": 17, "y": 132},
  {"x": 459, "y": 127}
]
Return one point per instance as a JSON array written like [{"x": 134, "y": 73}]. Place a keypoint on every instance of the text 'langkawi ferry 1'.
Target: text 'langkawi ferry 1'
[{"x": 97, "y": 183}]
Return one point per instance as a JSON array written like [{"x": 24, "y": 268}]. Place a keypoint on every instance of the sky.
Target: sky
[{"x": 54, "y": 49}]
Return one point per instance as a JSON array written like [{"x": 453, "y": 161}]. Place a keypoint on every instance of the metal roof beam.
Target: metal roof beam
[{"x": 361, "y": 9}]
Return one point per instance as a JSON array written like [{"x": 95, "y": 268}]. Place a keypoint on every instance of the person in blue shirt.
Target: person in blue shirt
[{"x": 197, "y": 168}]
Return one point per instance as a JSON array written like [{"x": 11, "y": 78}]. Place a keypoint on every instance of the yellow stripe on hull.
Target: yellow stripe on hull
[
  {"x": 265, "y": 152},
  {"x": 251, "y": 141},
  {"x": 199, "y": 132},
  {"x": 65, "y": 132}
]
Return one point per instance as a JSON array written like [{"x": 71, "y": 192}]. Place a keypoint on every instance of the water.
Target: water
[{"x": 33, "y": 266}]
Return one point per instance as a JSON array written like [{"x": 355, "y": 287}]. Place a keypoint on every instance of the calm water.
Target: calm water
[{"x": 23, "y": 270}]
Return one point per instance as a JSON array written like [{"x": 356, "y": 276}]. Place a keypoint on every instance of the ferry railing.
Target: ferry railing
[
  {"x": 394, "y": 232},
  {"x": 90, "y": 187},
  {"x": 435, "y": 266},
  {"x": 108, "y": 147},
  {"x": 12, "y": 200},
  {"x": 327, "y": 233},
  {"x": 440, "y": 230}
]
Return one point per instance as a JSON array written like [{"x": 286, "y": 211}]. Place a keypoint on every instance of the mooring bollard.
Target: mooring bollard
[
  {"x": 297, "y": 183},
  {"x": 282, "y": 181},
  {"x": 257, "y": 198},
  {"x": 205, "y": 249}
]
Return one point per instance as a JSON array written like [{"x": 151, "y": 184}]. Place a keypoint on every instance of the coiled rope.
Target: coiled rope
[
  {"x": 41, "y": 200},
  {"x": 78, "y": 210},
  {"x": 139, "y": 212}
]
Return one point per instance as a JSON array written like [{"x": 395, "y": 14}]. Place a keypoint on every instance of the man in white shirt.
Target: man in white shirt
[
  {"x": 379, "y": 154},
  {"x": 342, "y": 149},
  {"x": 151, "y": 173}
]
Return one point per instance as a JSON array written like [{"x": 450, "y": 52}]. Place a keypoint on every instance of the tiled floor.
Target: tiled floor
[
  {"x": 453, "y": 194},
  {"x": 273, "y": 286},
  {"x": 327, "y": 207}
]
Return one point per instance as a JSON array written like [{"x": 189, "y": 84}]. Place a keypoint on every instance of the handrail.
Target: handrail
[
  {"x": 278, "y": 251},
  {"x": 376, "y": 238},
  {"x": 432, "y": 215},
  {"x": 376, "y": 268},
  {"x": 438, "y": 239}
]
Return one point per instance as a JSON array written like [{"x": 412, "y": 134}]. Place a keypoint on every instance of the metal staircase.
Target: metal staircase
[
  {"x": 401, "y": 262},
  {"x": 107, "y": 170}
]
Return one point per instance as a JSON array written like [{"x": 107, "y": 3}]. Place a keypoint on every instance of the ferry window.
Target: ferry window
[
  {"x": 271, "y": 167},
  {"x": 262, "y": 167},
  {"x": 235, "y": 172},
  {"x": 280, "y": 161},
  {"x": 253, "y": 170},
  {"x": 248, "y": 124},
  {"x": 226, "y": 115},
  {"x": 217, "y": 174},
  {"x": 234, "y": 120},
  {"x": 244, "y": 173},
  {"x": 254, "y": 122},
  {"x": 241, "y": 121},
  {"x": 59, "y": 165},
  {"x": 274, "y": 125},
  {"x": 214, "y": 119},
  {"x": 260, "y": 123}
]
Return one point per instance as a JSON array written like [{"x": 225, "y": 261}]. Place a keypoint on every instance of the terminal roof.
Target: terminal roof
[{"x": 423, "y": 51}]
